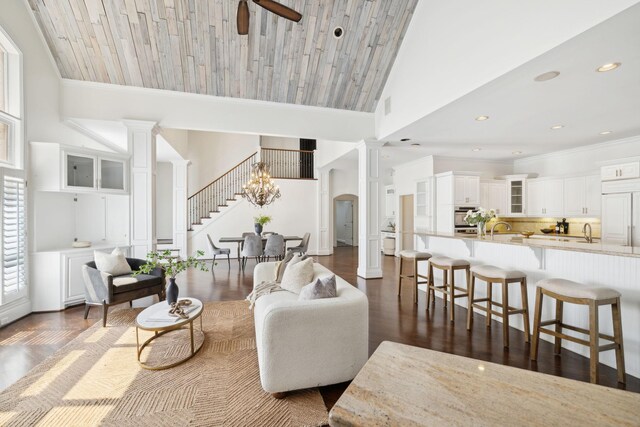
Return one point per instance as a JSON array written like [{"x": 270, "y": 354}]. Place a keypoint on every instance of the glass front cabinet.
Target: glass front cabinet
[
  {"x": 516, "y": 195},
  {"x": 85, "y": 172}
]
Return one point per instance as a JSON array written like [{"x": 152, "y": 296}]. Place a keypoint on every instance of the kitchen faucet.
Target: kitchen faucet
[
  {"x": 584, "y": 231},
  {"x": 498, "y": 223}
]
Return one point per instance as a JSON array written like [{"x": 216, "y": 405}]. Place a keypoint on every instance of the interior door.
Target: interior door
[
  {"x": 407, "y": 226},
  {"x": 616, "y": 218},
  {"x": 348, "y": 223}
]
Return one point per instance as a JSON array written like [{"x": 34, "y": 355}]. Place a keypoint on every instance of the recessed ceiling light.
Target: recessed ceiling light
[
  {"x": 405, "y": 139},
  {"x": 415, "y": 144},
  {"x": 482, "y": 118},
  {"x": 608, "y": 67},
  {"x": 338, "y": 32},
  {"x": 556, "y": 127},
  {"x": 516, "y": 152},
  {"x": 476, "y": 149},
  {"x": 547, "y": 76},
  {"x": 606, "y": 132}
]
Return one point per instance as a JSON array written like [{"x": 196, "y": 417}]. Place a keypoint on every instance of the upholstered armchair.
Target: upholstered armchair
[{"x": 106, "y": 290}]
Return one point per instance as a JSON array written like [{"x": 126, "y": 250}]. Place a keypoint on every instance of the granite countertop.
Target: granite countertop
[
  {"x": 411, "y": 386},
  {"x": 545, "y": 241}
]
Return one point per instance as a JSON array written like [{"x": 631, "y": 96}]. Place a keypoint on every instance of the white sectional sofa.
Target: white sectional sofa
[{"x": 304, "y": 344}]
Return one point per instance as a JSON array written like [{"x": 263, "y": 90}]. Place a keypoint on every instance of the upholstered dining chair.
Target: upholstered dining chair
[
  {"x": 303, "y": 246},
  {"x": 274, "y": 247},
  {"x": 252, "y": 248},
  {"x": 245, "y": 234},
  {"x": 218, "y": 251}
]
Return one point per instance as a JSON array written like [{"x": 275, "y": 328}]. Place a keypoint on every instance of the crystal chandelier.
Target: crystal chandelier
[{"x": 260, "y": 190}]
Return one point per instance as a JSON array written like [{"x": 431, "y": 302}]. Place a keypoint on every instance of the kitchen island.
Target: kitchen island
[{"x": 541, "y": 257}]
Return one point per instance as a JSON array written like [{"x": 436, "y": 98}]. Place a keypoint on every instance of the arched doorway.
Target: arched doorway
[{"x": 345, "y": 220}]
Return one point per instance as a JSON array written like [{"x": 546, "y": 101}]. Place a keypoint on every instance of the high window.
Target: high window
[{"x": 13, "y": 242}]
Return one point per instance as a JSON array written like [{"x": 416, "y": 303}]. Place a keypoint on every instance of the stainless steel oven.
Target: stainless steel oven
[{"x": 459, "y": 225}]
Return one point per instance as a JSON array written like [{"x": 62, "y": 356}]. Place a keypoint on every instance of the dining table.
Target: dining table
[{"x": 239, "y": 240}]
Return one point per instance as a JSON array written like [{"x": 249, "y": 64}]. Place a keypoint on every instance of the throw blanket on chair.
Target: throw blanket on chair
[{"x": 264, "y": 288}]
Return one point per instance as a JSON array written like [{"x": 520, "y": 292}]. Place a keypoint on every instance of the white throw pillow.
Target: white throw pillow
[
  {"x": 297, "y": 276},
  {"x": 115, "y": 263}
]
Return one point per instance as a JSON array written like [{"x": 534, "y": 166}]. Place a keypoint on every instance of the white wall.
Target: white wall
[
  {"x": 178, "y": 139},
  {"x": 212, "y": 154},
  {"x": 453, "y": 47},
  {"x": 329, "y": 151},
  {"x": 406, "y": 175},
  {"x": 164, "y": 200},
  {"x": 344, "y": 181},
  {"x": 294, "y": 213},
  {"x": 280, "y": 142},
  {"x": 489, "y": 169},
  {"x": 578, "y": 160},
  {"x": 209, "y": 113}
]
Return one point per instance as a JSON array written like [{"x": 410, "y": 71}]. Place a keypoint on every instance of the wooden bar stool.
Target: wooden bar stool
[
  {"x": 491, "y": 275},
  {"x": 575, "y": 293},
  {"x": 414, "y": 257},
  {"x": 448, "y": 266}
]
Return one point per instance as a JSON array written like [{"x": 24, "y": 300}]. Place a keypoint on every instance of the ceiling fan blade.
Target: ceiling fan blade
[
  {"x": 279, "y": 9},
  {"x": 243, "y": 18}
]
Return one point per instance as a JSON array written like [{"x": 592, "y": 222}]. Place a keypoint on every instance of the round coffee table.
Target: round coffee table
[{"x": 157, "y": 319}]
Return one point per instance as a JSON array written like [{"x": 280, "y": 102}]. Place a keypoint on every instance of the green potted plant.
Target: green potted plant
[
  {"x": 172, "y": 265},
  {"x": 260, "y": 221}
]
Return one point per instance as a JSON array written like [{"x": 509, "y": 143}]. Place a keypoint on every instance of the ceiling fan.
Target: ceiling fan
[{"x": 272, "y": 6}]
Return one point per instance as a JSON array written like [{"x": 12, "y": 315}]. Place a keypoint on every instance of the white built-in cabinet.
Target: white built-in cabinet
[
  {"x": 56, "y": 167},
  {"x": 424, "y": 204},
  {"x": 493, "y": 195},
  {"x": 57, "y": 281},
  {"x": 545, "y": 197},
  {"x": 616, "y": 214},
  {"x": 618, "y": 171},
  {"x": 582, "y": 196},
  {"x": 454, "y": 189}
]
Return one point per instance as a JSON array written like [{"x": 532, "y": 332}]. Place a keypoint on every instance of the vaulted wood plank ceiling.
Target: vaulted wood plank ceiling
[{"x": 193, "y": 46}]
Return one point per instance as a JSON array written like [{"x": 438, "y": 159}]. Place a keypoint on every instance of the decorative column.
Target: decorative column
[
  {"x": 369, "y": 190},
  {"x": 141, "y": 136},
  {"x": 180, "y": 205},
  {"x": 324, "y": 244}
]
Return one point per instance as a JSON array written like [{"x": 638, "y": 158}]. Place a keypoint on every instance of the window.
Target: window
[
  {"x": 14, "y": 235},
  {"x": 13, "y": 232}
]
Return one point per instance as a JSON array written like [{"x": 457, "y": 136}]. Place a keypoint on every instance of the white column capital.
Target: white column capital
[
  {"x": 145, "y": 125},
  {"x": 370, "y": 143}
]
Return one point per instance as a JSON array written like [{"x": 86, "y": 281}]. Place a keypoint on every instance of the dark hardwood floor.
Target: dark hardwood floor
[{"x": 27, "y": 342}]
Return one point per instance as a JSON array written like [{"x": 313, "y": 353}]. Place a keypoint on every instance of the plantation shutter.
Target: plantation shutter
[{"x": 14, "y": 235}]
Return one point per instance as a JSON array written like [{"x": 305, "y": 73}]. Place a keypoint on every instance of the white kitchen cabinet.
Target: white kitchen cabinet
[
  {"x": 616, "y": 218},
  {"x": 582, "y": 196},
  {"x": 620, "y": 171},
  {"x": 545, "y": 197},
  {"x": 466, "y": 190},
  {"x": 56, "y": 167},
  {"x": 493, "y": 195},
  {"x": 516, "y": 194}
]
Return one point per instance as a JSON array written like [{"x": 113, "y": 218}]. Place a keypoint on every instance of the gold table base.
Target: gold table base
[{"x": 159, "y": 333}]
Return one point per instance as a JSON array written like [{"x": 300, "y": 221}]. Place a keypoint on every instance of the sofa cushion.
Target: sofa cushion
[
  {"x": 128, "y": 282},
  {"x": 282, "y": 265},
  {"x": 319, "y": 288},
  {"x": 114, "y": 263},
  {"x": 297, "y": 275}
]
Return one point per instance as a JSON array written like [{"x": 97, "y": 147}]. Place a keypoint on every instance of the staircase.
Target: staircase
[{"x": 287, "y": 164}]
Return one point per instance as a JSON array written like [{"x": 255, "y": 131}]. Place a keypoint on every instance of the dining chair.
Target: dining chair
[
  {"x": 252, "y": 248},
  {"x": 303, "y": 246},
  {"x": 274, "y": 247},
  {"x": 244, "y": 235},
  {"x": 218, "y": 251}
]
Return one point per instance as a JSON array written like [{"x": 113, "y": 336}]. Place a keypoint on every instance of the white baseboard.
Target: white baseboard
[{"x": 14, "y": 311}]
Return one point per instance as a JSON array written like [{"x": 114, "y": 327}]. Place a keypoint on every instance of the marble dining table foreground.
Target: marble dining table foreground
[{"x": 412, "y": 386}]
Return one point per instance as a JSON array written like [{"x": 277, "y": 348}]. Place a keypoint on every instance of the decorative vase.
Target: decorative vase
[
  {"x": 482, "y": 229},
  {"x": 172, "y": 291},
  {"x": 258, "y": 228}
]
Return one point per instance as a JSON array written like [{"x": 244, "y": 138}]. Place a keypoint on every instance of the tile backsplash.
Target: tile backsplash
[{"x": 535, "y": 224}]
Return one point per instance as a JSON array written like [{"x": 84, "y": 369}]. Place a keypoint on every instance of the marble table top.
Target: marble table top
[
  {"x": 157, "y": 317},
  {"x": 412, "y": 386}
]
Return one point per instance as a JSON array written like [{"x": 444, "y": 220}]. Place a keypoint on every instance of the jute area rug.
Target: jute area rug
[{"x": 96, "y": 380}]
